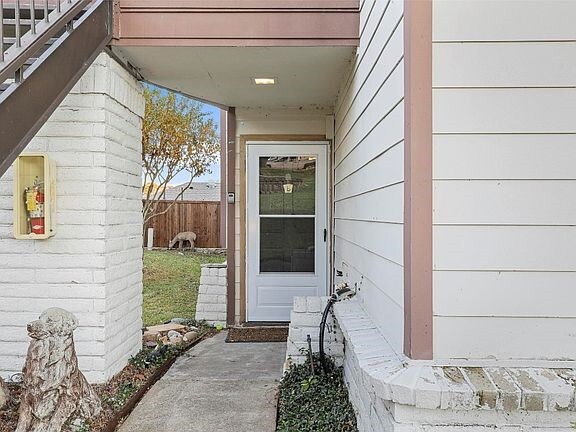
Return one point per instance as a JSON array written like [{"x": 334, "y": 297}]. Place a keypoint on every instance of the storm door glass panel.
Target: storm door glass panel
[
  {"x": 286, "y": 245},
  {"x": 287, "y": 185},
  {"x": 287, "y": 203}
]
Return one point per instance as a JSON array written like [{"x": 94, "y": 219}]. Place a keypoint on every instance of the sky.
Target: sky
[{"x": 214, "y": 175}]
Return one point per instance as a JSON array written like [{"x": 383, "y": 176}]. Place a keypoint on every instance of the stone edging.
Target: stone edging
[{"x": 394, "y": 377}]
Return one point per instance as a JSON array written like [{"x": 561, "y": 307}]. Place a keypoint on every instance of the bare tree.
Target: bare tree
[{"x": 177, "y": 136}]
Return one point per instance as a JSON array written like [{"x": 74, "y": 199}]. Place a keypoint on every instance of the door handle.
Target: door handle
[{"x": 325, "y": 234}]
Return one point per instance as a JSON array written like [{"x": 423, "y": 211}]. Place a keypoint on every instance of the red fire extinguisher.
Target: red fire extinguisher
[{"x": 35, "y": 207}]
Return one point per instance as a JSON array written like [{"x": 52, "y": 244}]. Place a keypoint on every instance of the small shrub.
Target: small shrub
[
  {"x": 314, "y": 403},
  {"x": 125, "y": 391},
  {"x": 78, "y": 425},
  {"x": 149, "y": 357}
]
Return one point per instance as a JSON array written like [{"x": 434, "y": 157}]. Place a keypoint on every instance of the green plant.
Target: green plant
[
  {"x": 139, "y": 360},
  {"x": 307, "y": 383},
  {"x": 77, "y": 425},
  {"x": 124, "y": 392},
  {"x": 201, "y": 325},
  {"x": 148, "y": 357},
  {"x": 314, "y": 403}
]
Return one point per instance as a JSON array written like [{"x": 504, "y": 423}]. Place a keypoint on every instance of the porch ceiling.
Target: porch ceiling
[{"x": 305, "y": 75}]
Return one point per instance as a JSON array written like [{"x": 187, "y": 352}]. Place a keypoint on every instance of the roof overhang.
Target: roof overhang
[
  {"x": 213, "y": 49},
  {"x": 237, "y": 23},
  {"x": 305, "y": 76}
]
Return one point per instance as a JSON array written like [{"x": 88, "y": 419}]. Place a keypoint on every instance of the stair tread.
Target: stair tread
[
  {"x": 11, "y": 40},
  {"x": 70, "y": 56}
]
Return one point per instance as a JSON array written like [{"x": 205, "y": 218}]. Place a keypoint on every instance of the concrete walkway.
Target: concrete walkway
[{"x": 214, "y": 387}]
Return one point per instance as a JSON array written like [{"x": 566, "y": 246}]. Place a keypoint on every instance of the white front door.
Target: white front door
[{"x": 286, "y": 226}]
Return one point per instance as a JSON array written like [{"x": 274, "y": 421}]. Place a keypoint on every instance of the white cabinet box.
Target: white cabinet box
[{"x": 34, "y": 196}]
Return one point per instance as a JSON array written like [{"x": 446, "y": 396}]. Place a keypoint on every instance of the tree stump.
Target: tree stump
[
  {"x": 54, "y": 389},
  {"x": 4, "y": 394}
]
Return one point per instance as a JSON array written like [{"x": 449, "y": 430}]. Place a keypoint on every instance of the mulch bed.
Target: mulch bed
[
  {"x": 112, "y": 395},
  {"x": 257, "y": 334},
  {"x": 116, "y": 391},
  {"x": 119, "y": 395},
  {"x": 9, "y": 415}
]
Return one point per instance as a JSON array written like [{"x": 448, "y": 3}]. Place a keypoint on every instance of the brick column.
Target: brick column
[
  {"x": 212, "y": 294},
  {"x": 92, "y": 266}
]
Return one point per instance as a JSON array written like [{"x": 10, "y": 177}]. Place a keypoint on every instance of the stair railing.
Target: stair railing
[
  {"x": 27, "y": 45},
  {"x": 43, "y": 64}
]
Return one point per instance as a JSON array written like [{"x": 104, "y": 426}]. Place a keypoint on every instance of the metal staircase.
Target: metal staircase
[{"x": 45, "y": 47}]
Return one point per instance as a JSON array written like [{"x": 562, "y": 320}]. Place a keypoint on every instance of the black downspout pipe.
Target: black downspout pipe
[
  {"x": 331, "y": 302},
  {"x": 342, "y": 292}
]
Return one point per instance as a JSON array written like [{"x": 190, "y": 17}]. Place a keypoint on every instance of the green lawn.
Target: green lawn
[{"x": 171, "y": 284}]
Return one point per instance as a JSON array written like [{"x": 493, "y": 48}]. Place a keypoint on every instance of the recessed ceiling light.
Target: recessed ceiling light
[{"x": 264, "y": 81}]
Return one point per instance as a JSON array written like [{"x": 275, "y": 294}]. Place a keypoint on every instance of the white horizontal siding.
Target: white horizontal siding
[
  {"x": 504, "y": 99},
  {"x": 383, "y": 239},
  {"x": 387, "y": 205},
  {"x": 375, "y": 77},
  {"x": 366, "y": 7},
  {"x": 504, "y": 20},
  {"x": 372, "y": 111},
  {"x": 510, "y": 338},
  {"x": 522, "y": 248},
  {"x": 381, "y": 18},
  {"x": 387, "y": 276},
  {"x": 504, "y": 294},
  {"x": 383, "y": 171},
  {"x": 511, "y": 156},
  {"x": 509, "y": 110},
  {"x": 376, "y": 142},
  {"x": 538, "y": 64},
  {"x": 370, "y": 16},
  {"x": 505, "y": 202},
  {"x": 368, "y": 163},
  {"x": 383, "y": 299}
]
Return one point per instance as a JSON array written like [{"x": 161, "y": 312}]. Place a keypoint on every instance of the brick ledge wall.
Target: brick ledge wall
[
  {"x": 305, "y": 320},
  {"x": 393, "y": 393},
  {"x": 390, "y": 392}
]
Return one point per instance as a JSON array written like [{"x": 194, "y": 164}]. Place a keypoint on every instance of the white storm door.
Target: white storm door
[{"x": 286, "y": 226}]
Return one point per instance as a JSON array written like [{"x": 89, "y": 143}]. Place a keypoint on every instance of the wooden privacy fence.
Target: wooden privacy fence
[{"x": 201, "y": 217}]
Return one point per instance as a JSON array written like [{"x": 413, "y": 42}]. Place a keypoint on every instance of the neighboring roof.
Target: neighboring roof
[{"x": 198, "y": 191}]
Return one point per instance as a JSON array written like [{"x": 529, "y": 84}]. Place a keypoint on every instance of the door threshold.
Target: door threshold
[{"x": 265, "y": 324}]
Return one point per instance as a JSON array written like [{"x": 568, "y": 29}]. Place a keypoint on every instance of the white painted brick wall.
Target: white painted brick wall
[
  {"x": 212, "y": 294},
  {"x": 393, "y": 394},
  {"x": 305, "y": 320},
  {"x": 93, "y": 266}
]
